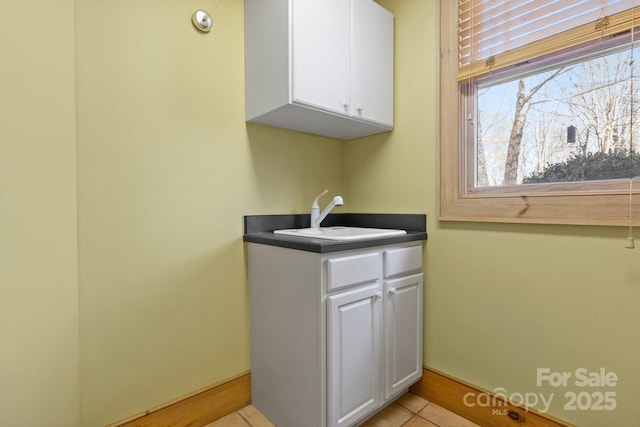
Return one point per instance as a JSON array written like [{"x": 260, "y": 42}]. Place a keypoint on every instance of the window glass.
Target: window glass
[{"x": 569, "y": 122}]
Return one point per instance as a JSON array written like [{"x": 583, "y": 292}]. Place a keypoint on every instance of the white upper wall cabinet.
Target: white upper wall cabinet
[{"x": 319, "y": 66}]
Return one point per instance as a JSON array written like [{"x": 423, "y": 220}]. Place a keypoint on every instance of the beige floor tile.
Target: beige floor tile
[
  {"x": 255, "y": 417},
  {"x": 444, "y": 418},
  {"x": 398, "y": 414},
  {"x": 412, "y": 402},
  {"x": 393, "y": 415},
  {"x": 419, "y": 422},
  {"x": 231, "y": 420}
]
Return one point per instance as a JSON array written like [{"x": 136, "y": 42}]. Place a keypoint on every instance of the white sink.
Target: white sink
[{"x": 341, "y": 233}]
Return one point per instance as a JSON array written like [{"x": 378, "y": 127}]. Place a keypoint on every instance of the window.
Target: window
[{"x": 547, "y": 125}]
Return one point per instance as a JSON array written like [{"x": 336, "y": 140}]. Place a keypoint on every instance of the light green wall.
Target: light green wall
[
  {"x": 38, "y": 258},
  {"x": 167, "y": 167},
  {"x": 500, "y": 300}
]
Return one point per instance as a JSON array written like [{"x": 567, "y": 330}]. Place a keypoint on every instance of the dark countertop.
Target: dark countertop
[{"x": 259, "y": 229}]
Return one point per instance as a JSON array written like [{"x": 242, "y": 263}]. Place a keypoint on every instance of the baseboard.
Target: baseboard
[
  {"x": 197, "y": 409},
  {"x": 449, "y": 392},
  {"x": 214, "y": 402}
]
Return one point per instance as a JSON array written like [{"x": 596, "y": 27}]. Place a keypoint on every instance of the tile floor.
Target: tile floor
[{"x": 409, "y": 410}]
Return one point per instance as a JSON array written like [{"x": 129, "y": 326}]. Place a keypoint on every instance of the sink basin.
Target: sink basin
[{"x": 341, "y": 233}]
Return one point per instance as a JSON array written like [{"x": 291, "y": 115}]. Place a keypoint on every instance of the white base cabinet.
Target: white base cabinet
[
  {"x": 354, "y": 337},
  {"x": 334, "y": 337},
  {"x": 319, "y": 66}
]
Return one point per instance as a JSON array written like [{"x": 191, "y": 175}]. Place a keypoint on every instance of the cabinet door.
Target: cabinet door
[
  {"x": 353, "y": 361},
  {"x": 403, "y": 332},
  {"x": 372, "y": 62},
  {"x": 321, "y": 52}
]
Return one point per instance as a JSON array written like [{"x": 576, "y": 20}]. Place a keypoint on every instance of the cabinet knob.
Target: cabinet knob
[
  {"x": 346, "y": 106},
  {"x": 359, "y": 109},
  {"x": 378, "y": 295},
  {"x": 393, "y": 291}
]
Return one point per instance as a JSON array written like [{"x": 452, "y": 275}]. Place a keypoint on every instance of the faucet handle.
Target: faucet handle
[{"x": 315, "y": 201}]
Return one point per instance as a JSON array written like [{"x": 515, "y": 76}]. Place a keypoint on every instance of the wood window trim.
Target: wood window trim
[{"x": 583, "y": 203}]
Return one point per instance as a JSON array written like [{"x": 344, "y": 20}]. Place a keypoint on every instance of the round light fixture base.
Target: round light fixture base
[{"x": 202, "y": 20}]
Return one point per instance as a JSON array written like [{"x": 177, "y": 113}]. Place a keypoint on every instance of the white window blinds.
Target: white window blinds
[{"x": 493, "y": 34}]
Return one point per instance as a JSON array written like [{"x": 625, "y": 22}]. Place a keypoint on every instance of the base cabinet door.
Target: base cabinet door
[
  {"x": 353, "y": 353},
  {"x": 403, "y": 332}
]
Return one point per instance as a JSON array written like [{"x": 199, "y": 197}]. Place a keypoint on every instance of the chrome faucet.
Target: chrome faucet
[{"x": 316, "y": 215}]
